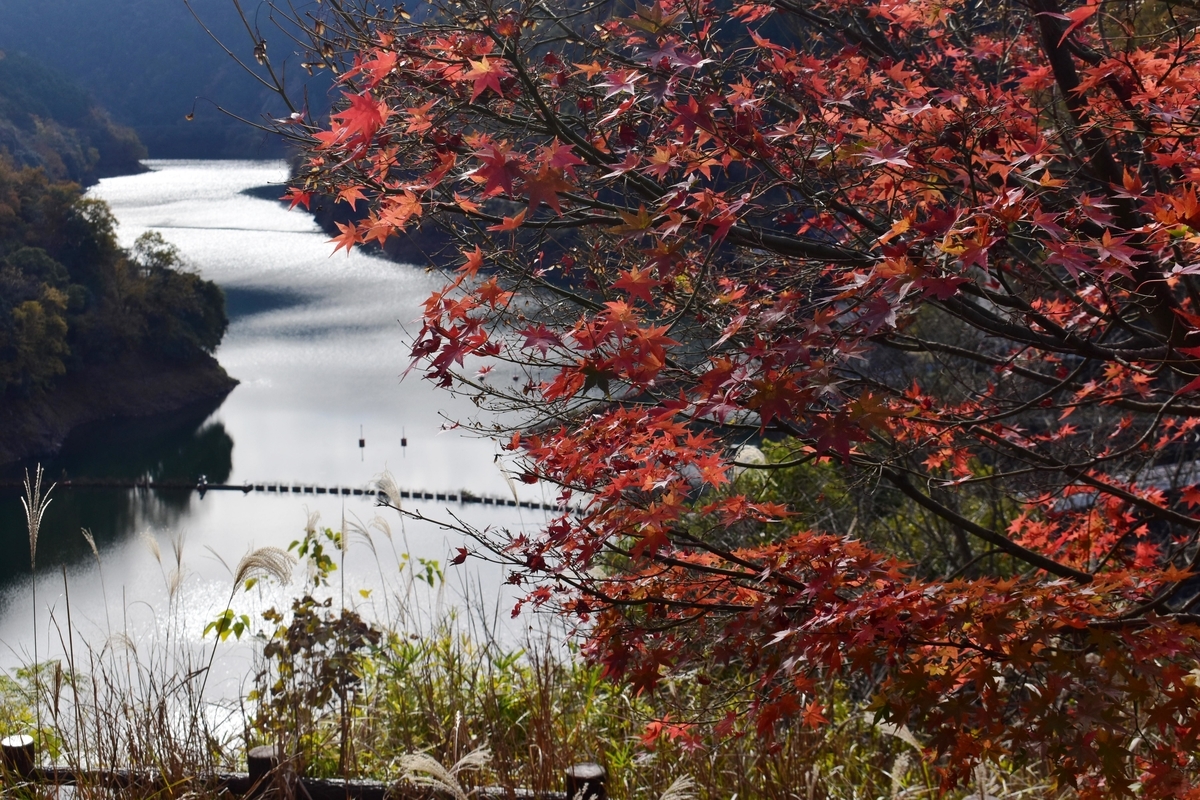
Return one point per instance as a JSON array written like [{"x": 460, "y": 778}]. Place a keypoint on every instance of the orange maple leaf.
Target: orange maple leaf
[
  {"x": 347, "y": 238},
  {"x": 589, "y": 70},
  {"x": 400, "y": 209},
  {"x": 474, "y": 262},
  {"x": 509, "y": 223},
  {"x": 634, "y": 223},
  {"x": 418, "y": 117},
  {"x": 465, "y": 203},
  {"x": 351, "y": 195}
]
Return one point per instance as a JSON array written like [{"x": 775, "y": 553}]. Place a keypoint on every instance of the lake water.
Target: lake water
[{"x": 319, "y": 343}]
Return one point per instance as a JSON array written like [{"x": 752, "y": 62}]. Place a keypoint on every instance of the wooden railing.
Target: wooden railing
[{"x": 266, "y": 777}]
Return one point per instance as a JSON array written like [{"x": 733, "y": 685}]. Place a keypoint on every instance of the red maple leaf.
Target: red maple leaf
[
  {"x": 499, "y": 169},
  {"x": 773, "y": 398},
  {"x": 638, "y": 283},
  {"x": 473, "y": 263},
  {"x": 486, "y": 74},
  {"x": 544, "y": 187},
  {"x": 297, "y": 197},
  {"x": 378, "y": 67},
  {"x": 364, "y": 116},
  {"x": 541, "y": 337},
  {"x": 560, "y": 156},
  {"x": 1076, "y": 17}
]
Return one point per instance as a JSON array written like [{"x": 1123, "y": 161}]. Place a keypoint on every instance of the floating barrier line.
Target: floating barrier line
[{"x": 462, "y": 497}]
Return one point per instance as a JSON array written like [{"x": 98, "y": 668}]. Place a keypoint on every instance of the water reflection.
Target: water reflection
[
  {"x": 246, "y": 301},
  {"x": 180, "y": 446}
]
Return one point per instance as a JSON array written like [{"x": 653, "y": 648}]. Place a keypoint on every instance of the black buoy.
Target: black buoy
[
  {"x": 362, "y": 444},
  {"x": 403, "y": 441}
]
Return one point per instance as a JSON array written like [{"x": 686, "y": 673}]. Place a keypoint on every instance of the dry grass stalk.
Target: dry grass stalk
[
  {"x": 389, "y": 491},
  {"x": 682, "y": 788},
  {"x": 35, "y": 503},
  {"x": 422, "y": 769},
  {"x": 269, "y": 562}
]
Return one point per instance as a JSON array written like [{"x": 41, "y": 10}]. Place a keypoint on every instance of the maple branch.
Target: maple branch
[
  {"x": 588, "y": 586},
  {"x": 1014, "y": 300},
  {"x": 983, "y": 319},
  {"x": 1161, "y": 302},
  {"x": 1142, "y": 623},
  {"x": 747, "y": 579},
  {"x": 757, "y": 572},
  {"x": 872, "y": 41},
  {"x": 901, "y": 482},
  {"x": 799, "y": 247},
  {"x": 1115, "y": 316},
  {"x": 550, "y": 118},
  {"x": 978, "y": 648},
  {"x": 351, "y": 20},
  {"x": 1079, "y": 473},
  {"x": 965, "y": 568},
  {"x": 274, "y": 84},
  {"x": 1119, "y": 401},
  {"x": 1168, "y": 592},
  {"x": 773, "y": 465}
]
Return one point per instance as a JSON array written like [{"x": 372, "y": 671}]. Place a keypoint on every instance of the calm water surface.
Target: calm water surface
[{"x": 319, "y": 343}]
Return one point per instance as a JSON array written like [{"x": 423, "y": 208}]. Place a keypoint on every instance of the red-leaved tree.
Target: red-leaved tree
[{"x": 942, "y": 253}]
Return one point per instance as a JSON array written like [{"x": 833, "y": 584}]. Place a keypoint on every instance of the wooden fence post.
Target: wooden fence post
[
  {"x": 586, "y": 782},
  {"x": 18, "y": 754},
  {"x": 261, "y": 761}
]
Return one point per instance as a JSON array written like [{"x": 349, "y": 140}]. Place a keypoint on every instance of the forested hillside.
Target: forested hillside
[
  {"x": 70, "y": 297},
  {"x": 150, "y": 63},
  {"x": 48, "y": 121}
]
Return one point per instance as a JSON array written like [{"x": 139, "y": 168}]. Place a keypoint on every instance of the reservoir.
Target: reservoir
[{"x": 320, "y": 343}]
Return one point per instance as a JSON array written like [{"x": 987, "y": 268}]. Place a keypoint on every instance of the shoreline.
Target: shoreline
[{"x": 135, "y": 386}]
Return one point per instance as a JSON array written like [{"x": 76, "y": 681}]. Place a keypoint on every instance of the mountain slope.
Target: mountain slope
[
  {"x": 49, "y": 122},
  {"x": 150, "y": 63}
]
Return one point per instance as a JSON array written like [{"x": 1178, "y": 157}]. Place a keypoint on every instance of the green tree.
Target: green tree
[{"x": 39, "y": 340}]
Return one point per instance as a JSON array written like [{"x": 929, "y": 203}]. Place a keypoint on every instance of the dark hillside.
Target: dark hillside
[
  {"x": 149, "y": 63},
  {"x": 48, "y": 121},
  {"x": 89, "y": 330}
]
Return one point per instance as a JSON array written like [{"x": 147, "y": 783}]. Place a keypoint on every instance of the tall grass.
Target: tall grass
[
  {"x": 35, "y": 504},
  {"x": 406, "y": 695}
]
